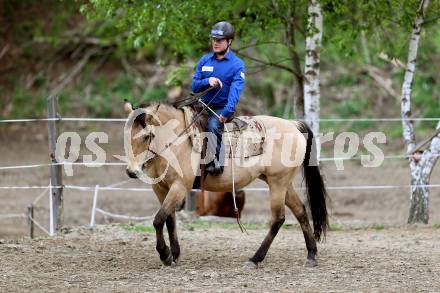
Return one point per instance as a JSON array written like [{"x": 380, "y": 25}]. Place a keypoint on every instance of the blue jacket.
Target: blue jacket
[{"x": 230, "y": 70}]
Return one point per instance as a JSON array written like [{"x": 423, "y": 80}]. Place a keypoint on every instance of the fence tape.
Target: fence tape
[
  {"x": 39, "y": 226},
  {"x": 124, "y": 164},
  {"x": 67, "y": 119},
  {"x": 125, "y": 217},
  {"x": 12, "y": 216},
  {"x": 89, "y": 119},
  {"x": 89, "y": 188},
  {"x": 37, "y": 199},
  {"x": 63, "y": 163}
]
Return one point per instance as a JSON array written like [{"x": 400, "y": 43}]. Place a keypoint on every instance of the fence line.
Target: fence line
[
  {"x": 124, "y": 217},
  {"x": 61, "y": 119},
  {"x": 124, "y": 164},
  {"x": 12, "y": 216},
  {"x": 40, "y": 196},
  {"x": 116, "y": 186},
  {"x": 88, "y": 119},
  {"x": 62, "y": 164},
  {"x": 133, "y": 189},
  {"x": 39, "y": 226}
]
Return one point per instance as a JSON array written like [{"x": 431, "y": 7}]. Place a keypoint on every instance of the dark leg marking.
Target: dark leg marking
[
  {"x": 161, "y": 246},
  {"x": 264, "y": 247},
  {"x": 299, "y": 210},
  {"x": 172, "y": 233}
]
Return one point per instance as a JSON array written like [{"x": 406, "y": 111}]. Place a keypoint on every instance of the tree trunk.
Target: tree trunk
[
  {"x": 298, "y": 92},
  {"x": 311, "y": 72},
  {"x": 419, "y": 175},
  {"x": 298, "y": 78}
]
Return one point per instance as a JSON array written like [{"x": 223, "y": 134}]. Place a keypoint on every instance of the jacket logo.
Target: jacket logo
[
  {"x": 242, "y": 74},
  {"x": 208, "y": 68}
]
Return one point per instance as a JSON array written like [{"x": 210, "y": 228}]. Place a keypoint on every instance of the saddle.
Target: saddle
[{"x": 245, "y": 137}]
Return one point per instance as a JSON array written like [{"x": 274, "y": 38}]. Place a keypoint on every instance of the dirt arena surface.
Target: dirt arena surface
[{"x": 112, "y": 259}]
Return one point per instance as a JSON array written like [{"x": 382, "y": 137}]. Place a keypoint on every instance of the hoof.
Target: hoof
[
  {"x": 168, "y": 261},
  {"x": 250, "y": 265},
  {"x": 310, "y": 263}
]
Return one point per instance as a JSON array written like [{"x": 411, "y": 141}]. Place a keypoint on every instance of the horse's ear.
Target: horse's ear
[{"x": 128, "y": 107}]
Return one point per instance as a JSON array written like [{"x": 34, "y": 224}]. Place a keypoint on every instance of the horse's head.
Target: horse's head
[{"x": 139, "y": 132}]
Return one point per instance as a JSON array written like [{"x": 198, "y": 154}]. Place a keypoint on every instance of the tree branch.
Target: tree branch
[
  {"x": 76, "y": 69},
  {"x": 258, "y": 44},
  {"x": 270, "y": 64}
]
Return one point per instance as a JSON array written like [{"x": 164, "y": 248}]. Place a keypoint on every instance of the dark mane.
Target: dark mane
[
  {"x": 201, "y": 120},
  {"x": 142, "y": 118},
  {"x": 157, "y": 104}
]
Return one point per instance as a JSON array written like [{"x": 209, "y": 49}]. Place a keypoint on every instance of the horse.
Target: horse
[{"x": 154, "y": 133}]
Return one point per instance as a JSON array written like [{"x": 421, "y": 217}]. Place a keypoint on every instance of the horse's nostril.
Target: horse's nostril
[{"x": 131, "y": 174}]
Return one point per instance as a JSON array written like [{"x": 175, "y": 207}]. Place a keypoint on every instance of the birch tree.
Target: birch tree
[
  {"x": 311, "y": 71},
  {"x": 421, "y": 163}
]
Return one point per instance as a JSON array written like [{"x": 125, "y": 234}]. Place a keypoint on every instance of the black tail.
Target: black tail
[{"x": 316, "y": 192}]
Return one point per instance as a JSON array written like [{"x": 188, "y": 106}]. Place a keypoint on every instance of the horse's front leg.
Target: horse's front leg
[
  {"x": 172, "y": 233},
  {"x": 175, "y": 195}
]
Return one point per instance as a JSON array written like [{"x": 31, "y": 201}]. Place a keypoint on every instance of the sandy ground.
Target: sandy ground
[{"x": 111, "y": 259}]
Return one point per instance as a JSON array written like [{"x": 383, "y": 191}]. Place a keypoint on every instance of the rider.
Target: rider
[{"x": 220, "y": 68}]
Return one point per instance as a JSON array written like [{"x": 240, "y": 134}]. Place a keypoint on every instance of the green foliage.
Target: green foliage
[
  {"x": 184, "y": 26},
  {"x": 380, "y": 20},
  {"x": 179, "y": 76},
  {"x": 178, "y": 30},
  {"x": 24, "y": 103},
  {"x": 351, "y": 108}
]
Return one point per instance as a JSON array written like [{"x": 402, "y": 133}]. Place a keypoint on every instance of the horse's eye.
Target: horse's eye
[{"x": 148, "y": 136}]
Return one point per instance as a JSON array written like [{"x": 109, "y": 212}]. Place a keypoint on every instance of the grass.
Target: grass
[
  {"x": 139, "y": 228},
  {"x": 202, "y": 225},
  {"x": 336, "y": 227},
  {"x": 339, "y": 227},
  {"x": 378, "y": 227}
]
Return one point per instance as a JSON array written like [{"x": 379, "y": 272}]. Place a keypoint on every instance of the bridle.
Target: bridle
[{"x": 196, "y": 97}]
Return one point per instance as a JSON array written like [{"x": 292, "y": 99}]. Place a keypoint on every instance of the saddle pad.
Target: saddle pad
[{"x": 245, "y": 143}]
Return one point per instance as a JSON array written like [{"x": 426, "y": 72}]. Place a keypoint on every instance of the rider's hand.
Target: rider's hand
[
  {"x": 222, "y": 119},
  {"x": 214, "y": 81}
]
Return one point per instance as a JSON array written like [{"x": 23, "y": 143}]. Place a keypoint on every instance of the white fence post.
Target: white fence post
[{"x": 95, "y": 200}]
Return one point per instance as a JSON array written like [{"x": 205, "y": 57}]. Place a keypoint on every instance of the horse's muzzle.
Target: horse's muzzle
[{"x": 131, "y": 174}]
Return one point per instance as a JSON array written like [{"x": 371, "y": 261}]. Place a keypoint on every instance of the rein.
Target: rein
[
  {"x": 237, "y": 215},
  {"x": 189, "y": 125}
]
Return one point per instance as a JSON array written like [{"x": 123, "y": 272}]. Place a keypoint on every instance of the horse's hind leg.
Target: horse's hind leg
[
  {"x": 299, "y": 210},
  {"x": 277, "y": 200}
]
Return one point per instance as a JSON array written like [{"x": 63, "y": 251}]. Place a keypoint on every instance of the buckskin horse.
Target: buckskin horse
[{"x": 154, "y": 148}]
